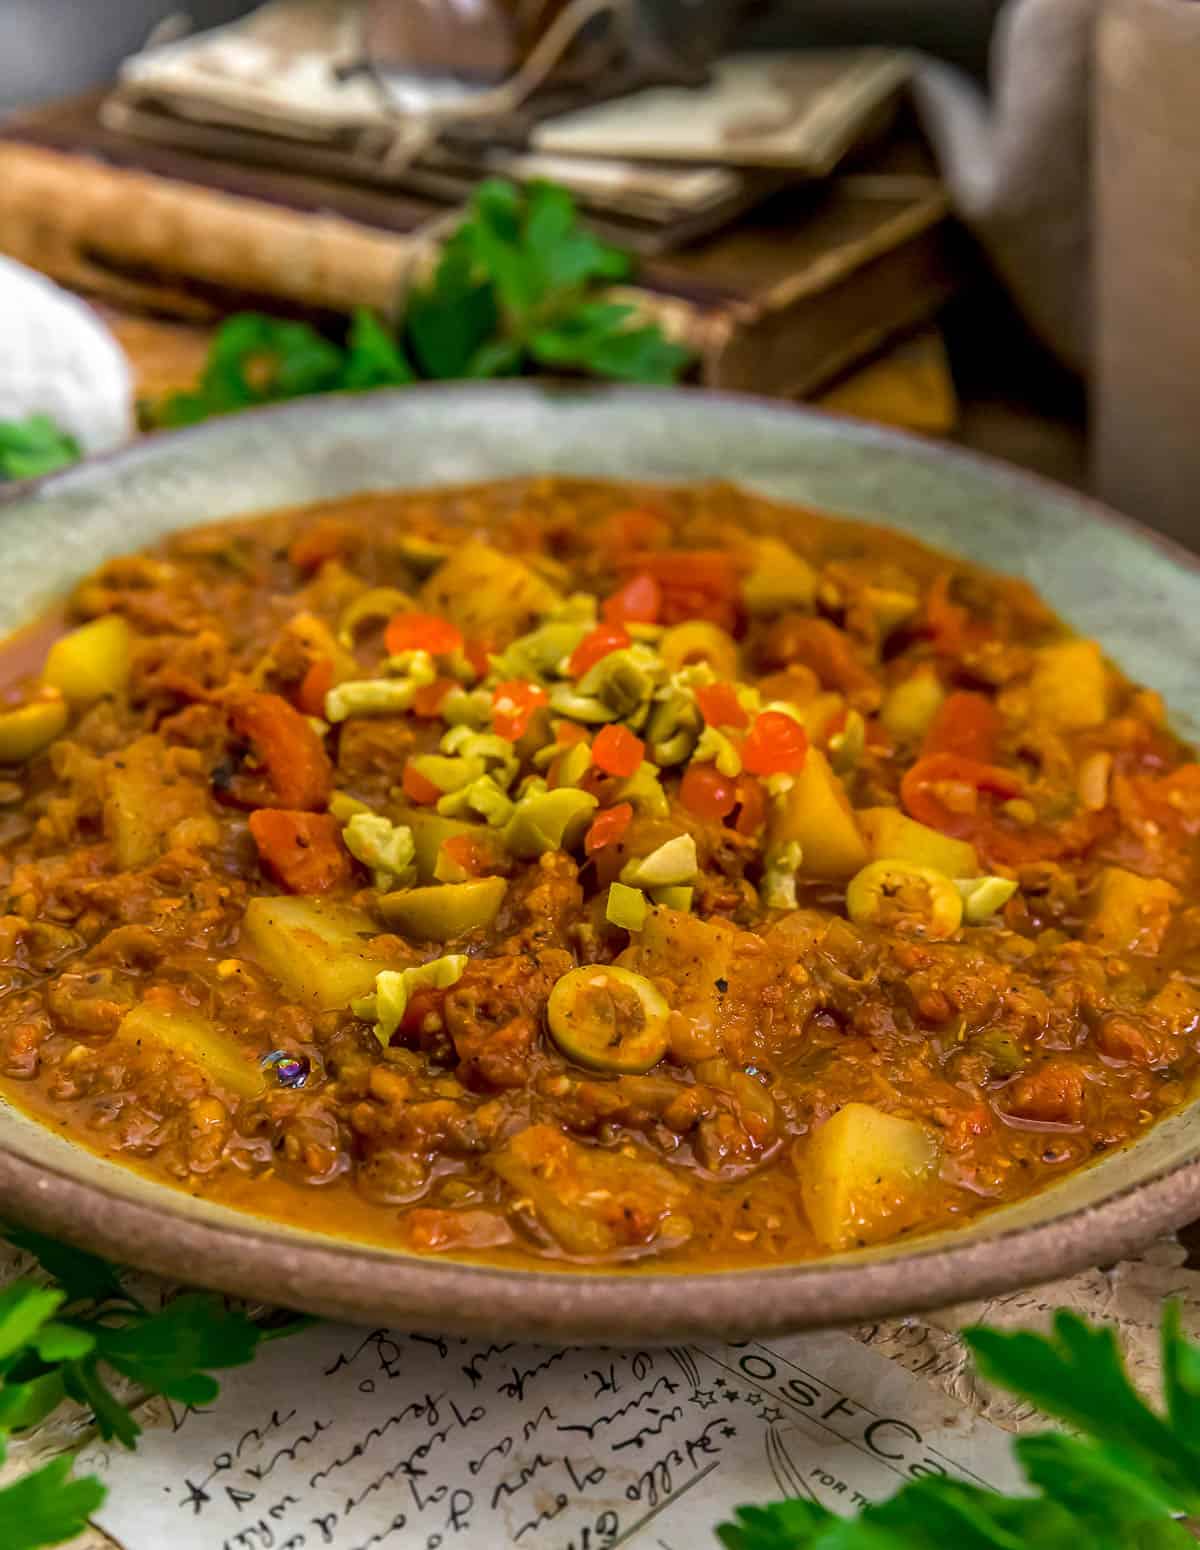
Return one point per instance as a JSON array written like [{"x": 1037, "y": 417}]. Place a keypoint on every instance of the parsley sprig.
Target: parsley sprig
[
  {"x": 1122, "y": 1481},
  {"x": 34, "y": 446},
  {"x": 67, "y": 1340},
  {"x": 518, "y": 287}
]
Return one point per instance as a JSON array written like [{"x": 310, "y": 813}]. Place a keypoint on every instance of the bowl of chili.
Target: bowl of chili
[{"x": 745, "y": 851}]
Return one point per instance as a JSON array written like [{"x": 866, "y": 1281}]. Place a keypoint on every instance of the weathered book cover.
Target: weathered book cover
[{"x": 780, "y": 303}]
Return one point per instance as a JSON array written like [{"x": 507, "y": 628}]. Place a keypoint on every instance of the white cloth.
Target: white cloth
[
  {"x": 1017, "y": 165},
  {"x": 58, "y": 359}
]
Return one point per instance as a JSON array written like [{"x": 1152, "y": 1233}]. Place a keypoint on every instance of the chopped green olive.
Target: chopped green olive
[
  {"x": 444, "y": 910},
  {"x": 912, "y": 899},
  {"x": 608, "y": 1019},
  {"x": 547, "y": 820},
  {"x": 626, "y": 907},
  {"x": 983, "y": 896},
  {"x": 673, "y": 862}
]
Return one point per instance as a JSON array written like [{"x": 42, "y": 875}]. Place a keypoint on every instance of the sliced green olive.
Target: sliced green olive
[
  {"x": 375, "y": 606},
  {"x": 700, "y": 641},
  {"x": 444, "y": 910},
  {"x": 904, "y": 897},
  {"x": 28, "y": 728},
  {"x": 609, "y": 1019},
  {"x": 983, "y": 896}
]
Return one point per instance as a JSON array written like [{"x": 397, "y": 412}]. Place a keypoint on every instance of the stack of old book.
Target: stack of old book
[{"x": 787, "y": 217}]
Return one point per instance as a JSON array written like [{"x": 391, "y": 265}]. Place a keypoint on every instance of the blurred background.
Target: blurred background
[
  {"x": 897, "y": 209},
  {"x": 48, "y": 49}
]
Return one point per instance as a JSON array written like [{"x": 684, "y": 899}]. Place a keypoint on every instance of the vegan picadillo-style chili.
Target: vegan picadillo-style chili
[{"x": 592, "y": 874}]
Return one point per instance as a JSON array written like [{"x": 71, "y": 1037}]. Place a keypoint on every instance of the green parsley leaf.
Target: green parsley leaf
[
  {"x": 172, "y": 1351},
  {"x": 1122, "y": 1485},
  {"x": 26, "y": 1404},
  {"x": 373, "y": 359},
  {"x": 83, "y": 1382},
  {"x": 1181, "y": 1375},
  {"x": 1077, "y": 1376},
  {"x": 454, "y": 317},
  {"x": 34, "y": 446},
  {"x": 83, "y": 1277},
  {"x": 24, "y": 1309},
  {"x": 47, "y": 1507},
  {"x": 514, "y": 288}
]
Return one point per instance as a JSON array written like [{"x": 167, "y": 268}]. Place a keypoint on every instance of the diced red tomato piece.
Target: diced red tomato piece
[
  {"x": 421, "y": 1004},
  {"x": 824, "y": 650},
  {"x": 422, "y": 632},
  {"x": 775, "y": 745},
  {"x": 965, "y": 724},
  {"x": 752, "y": 805},
  {"x": 429, "y": 698},
  {"x": 617, "y": 751},
  {"x": 303, "y": 850},
  {"x": 595, "y": 646},
  {"x": 920, "y": 794},
  {"x": 568, "y": 733},
  {"x": 706, "y": 792},
  {"x": 477, "y": 652},
  {"x": 695, "y": 584},
  {"x": 417, "y": 786},
  {"x": 325, "y": 540},
  {"x": 513, "y": 706},
  {"x": 639, "y": 599},
  {"x": 636, "y": 528},
  {"x": 314, "y": 686},
  {"x": 607, "y": 827},
  {"x": 297, "y": 767},
  {"x": 720, "y": 706},
  {"x": 945, "y": 622}
]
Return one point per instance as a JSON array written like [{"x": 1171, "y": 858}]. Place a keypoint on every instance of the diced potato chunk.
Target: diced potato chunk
[
  {"x": 91, "y": 661},
  {"x": 595, "y": 1202},
  {"x": 445, "y": 910},
  {"x": 1069, "y": 686},
  {"x": 893, "y": 836},
  {"x": 692, "y": 955},
  {"x": 817, "y": 813},
  {"x": 318, "y": 952},
  {"x": 185, "y": 1032},
  {"x": 147, "y": 797},
  {"x": 1130, "y": 914},
  {"x": 910, "y": 706},
  {"x": 863, "y": 1175},
  {"x": 780, "y": 579},
  {"x": 487, "y": 593}
]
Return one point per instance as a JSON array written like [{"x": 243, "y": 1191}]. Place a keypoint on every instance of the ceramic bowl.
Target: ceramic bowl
[{"x": 1135, "y": 592}]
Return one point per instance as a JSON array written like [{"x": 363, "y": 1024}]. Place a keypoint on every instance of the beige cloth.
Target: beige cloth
[{"x": 1017, "y": 165}]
